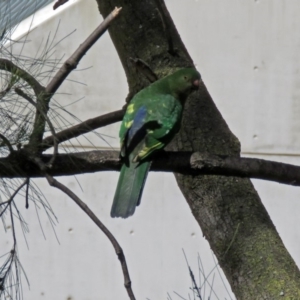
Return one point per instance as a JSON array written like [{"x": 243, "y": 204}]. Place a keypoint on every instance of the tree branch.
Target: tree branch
[
  {"x": 7, "y": 143},
  {"x": 9, "y": 66},
  {"x": 82, "y": 128},
  {"x": 127, "y": 282},
  {"x": 72, "y": 62},
  {"x": 17, "y": 165},
  {"x": 55, "y": 144},
  {"x": 42, "y": 166},
  {"x": 39, "y": 91}
]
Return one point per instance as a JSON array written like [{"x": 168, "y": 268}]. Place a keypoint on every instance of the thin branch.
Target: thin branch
[
  {"x": 53, "y": 182},
  {"x": 9, "y": 66},
  {"x": 18, "y": 165},
  {"x": 7, "y": 143},
  {"x": 72, "y": 62},
  {"x": 27, "y": 193},
  {"x": 127, "y": 282},
  {"x": 69, "y": 65},
  {"x": 11, "y": 198},
  {"x": 6, "y": 268},
  {"x": 82, "y": 128},
  {"x": 26, "y": 97},
  {"x": 38, "y": 89},
  {"x": 13, "y": 228}
]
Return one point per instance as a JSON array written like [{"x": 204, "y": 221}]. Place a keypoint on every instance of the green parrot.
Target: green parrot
[{"x": 152, "y": 118}]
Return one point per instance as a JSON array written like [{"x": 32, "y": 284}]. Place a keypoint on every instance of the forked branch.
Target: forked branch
[
  {"x": 9, "y": 66},
  {"x": 43, "y": 99},
  {"x": 55, "y": 144}
]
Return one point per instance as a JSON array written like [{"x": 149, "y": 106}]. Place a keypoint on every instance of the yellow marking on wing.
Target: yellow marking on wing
[
  {"x": 130, "y": 108},
  {"x": 146, "y": 150},
  {"x": 128, "y": 124}
]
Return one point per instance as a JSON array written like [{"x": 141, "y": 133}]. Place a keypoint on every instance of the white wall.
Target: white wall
[{"x": 247, "y": 53}]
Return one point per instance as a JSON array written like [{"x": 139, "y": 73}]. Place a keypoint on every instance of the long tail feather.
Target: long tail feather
[{"x": 129, "y": 189}]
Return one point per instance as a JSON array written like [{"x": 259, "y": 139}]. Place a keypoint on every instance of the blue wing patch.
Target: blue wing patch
[{"x": 138, "y": 123}]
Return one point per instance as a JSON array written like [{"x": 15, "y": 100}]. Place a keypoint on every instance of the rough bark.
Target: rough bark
[{"x": 229, "y": 210}]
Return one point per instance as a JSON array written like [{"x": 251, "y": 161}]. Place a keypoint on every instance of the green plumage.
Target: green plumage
[{"x": 151, "y": 120}]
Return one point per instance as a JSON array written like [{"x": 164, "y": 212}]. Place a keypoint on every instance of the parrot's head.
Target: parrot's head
[{"x": 184, "y": 81}]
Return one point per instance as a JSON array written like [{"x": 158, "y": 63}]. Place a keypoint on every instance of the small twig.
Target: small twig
[
  {"x": 9, "y": 66},
  {"x": 6, "y": 275},
  {"x": 13, "y": 227},
  {"x": 8, "y": 202},
  {"x": 7, "y": 143},
  {"x": 195, "y": 288},
  {"x": 194, "y": 283},
  {"x": 55, "y": 144},
  {"x": 8, "y": 88},
  {"x": 27, "y": 193},
  {"x": 13, "y": 252},
  {"x": 72, "y": 62},
  {"x": 3, "y": 203},
  {"x": 39, "y": 91},
  {"x": 127, "y": 282},
  {"x": 17, "y": 190},
  {"x": 82, "y": 128}
]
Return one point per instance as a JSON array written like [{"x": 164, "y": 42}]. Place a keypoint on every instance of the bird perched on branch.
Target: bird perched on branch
[{"x": 152, "y": 118}]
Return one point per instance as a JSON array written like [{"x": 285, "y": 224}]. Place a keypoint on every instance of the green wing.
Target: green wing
[{"x": 153, "y": 121}]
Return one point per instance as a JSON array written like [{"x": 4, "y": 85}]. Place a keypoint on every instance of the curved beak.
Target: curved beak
[{"x": 196, "y": 83}]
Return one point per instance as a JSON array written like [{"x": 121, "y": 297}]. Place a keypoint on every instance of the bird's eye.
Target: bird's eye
[{"x": 185, "y": 77}]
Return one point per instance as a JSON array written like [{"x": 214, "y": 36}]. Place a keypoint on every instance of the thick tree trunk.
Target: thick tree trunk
[{"x": 228, "y": 209}]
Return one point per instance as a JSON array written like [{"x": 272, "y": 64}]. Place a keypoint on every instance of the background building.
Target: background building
[{"x": 248, "y": 55}]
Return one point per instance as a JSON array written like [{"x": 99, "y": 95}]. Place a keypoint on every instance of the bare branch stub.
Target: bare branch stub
[
  {"x": 59, "y": 3},
  {"x": 72, "y": 62}
]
